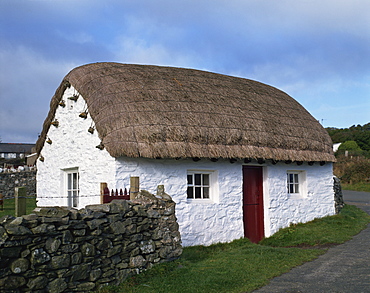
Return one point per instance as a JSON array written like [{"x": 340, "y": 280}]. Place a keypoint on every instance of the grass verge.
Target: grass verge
[
  {"x": 9, "y": 206},
  {"x": 362, "y": 186},
  {"x": 321, "y": 232},
  {"x": 241, "y": 266}
]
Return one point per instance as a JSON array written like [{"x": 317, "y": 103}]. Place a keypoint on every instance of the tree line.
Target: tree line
[
  {"x": 359, "y": 134},
  {"x": 353, "y": 155}
]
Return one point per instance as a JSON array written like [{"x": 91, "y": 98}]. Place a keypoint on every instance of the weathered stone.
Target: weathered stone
[
  {"x": 37, "y": 283},
  {"x": 57, "y": 285},
  {"x": 114, "y": 250},
  {"x": 114, "y": 218},
  {"x": 20, "y": 265},
  {"x": 122, "y": 265},
  {"x": 52, "y": 245},
  {"x": 61, "y": 261},
  {"x": 67, "y": 237},
  {"x": 130, "y": 238},
  {"x": 117, "y": 228},
  {"x": 43, "y": 229},
  {"x": 80, "y": 232},
  {"x": 96, "y": 232},
  {"x": 115, "y": 259},
  {"x": 4, "y": 220},
  {"x": 17, "y": 230},
  {"x": 165, "y": 251},
  {"x": 12, "y": 282},
  {"x": 87, "y": 286},
  {"x": 30, "y": 217},
  {"x": 108, "y": 273},
  {"x": 135, "y": 251},
  {"x": 131, "y": 229},
  {"x": 147, "y": 247},
  {"x": 104, "y": 244},
  {"x": 140, "y": 211},
  {"x": 17, "y": 221},
  {"x": 137, "y": 261},
  {"x": 169, "y": 210},
  {"x": 76, "y": 225},
  {"x": 80, "y": 272},
  {"x": 153, "y": 214},
  {"x": 137, "y": 237},
  {"x": 25, "y": 253},
  {"x": 105, "y": 208},
  {"x": 70, "y": 248},
  {"x": 122, "y": 275},
  {"x": 119, "y": 206},
  {"x": 39, "y": 256},
  {"x": 3, "y": 235},
  {"x": 158, "y": 233},
  {"x": 59, "y": 220},
  {"x": 95, "y": 274},
  {"x": 95, "y": 223},
  {"x": 88, "y": 249},
  {"x": 52, "y": 212},
  {"x": 76, "y": 258}
]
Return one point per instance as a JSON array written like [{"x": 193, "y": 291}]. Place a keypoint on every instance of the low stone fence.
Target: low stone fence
[
  {"x": 338, "y": 195},
  {"x": 9, "y": 181},
  {"x": 66, "y": 250}
]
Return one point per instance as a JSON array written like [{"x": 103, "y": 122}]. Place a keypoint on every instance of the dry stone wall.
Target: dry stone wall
[
  {"x": 66, "y": 250},
  {"x": 9, "y": 181}
]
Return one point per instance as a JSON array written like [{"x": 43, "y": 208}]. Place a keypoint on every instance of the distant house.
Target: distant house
[
  {"x": 336, "y": 146},
  {"x": 16, "y": 150},
  {"x": 240, "y": 158}
]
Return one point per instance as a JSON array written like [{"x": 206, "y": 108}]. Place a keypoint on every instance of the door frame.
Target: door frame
[{"x": 253, "y": 206}]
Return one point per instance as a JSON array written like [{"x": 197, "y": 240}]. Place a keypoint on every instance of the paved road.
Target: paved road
[{"x": 343, "y": 269}]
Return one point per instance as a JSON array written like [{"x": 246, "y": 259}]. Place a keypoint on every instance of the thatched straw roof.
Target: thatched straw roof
[{"x": 163, "y": 112}]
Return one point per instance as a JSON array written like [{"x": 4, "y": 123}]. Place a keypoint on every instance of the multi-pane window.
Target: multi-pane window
[
  {"x": 293, "y": 183},
  {"x": 198, "y": 185},
  {"x": 72, "y": 186}
]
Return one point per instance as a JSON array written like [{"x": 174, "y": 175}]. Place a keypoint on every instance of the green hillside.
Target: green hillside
[{"x": 359, "y": 134}]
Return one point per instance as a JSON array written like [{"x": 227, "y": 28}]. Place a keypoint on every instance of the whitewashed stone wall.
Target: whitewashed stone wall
[
  {"x": 201, "y": 222},
  {"x": 281, "y": 209},
  {"x": 222, "y": 220},
  {"x": 73, "y": 147}
]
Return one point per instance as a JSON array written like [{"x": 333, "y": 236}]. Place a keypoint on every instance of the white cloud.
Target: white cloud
[{"x": 27, "y": 83}]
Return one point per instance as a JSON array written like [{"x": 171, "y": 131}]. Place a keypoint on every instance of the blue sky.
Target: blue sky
[{"x": 316, "y": 51}]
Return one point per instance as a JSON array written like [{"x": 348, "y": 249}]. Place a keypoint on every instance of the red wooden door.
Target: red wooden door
[{"x": 253, "y": 203}]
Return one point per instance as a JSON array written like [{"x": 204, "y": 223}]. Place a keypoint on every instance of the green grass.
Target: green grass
[
  {"x": 238, "y": 266},
  {"x": 327, "y": 230},
  {"x": 357, "y": 186},
  {"x": 9, "y": 206},
  {"x": 241, "y": 266}
]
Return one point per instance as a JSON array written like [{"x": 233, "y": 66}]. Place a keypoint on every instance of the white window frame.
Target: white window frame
[
  {"x": 72, "y": 186},
  {"x": 296, "y": 183},
  {"x": 202, "y": 186}
]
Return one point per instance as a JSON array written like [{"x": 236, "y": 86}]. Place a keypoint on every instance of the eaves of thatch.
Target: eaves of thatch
[{"x": 164, "y": 112}]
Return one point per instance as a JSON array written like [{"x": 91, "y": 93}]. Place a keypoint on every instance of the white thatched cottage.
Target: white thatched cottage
[{"x": 239, "y": 158}]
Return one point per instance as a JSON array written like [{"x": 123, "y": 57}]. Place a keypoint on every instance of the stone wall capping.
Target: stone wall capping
[{"x": 60, "y": 249}]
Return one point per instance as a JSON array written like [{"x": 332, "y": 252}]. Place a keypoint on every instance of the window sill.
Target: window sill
[
  {"x": 296, "y": 196},
  {"x": 199, "y": 201}
]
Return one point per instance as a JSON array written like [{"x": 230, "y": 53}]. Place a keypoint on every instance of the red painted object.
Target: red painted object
[
  {"x": 109, "y": 196},
  {"x": 253, "y": 203}
]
